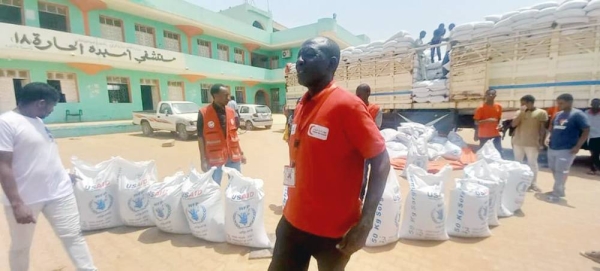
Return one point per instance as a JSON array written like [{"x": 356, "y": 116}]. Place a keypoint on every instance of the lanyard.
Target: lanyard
[{"x": 302, "y": 119}]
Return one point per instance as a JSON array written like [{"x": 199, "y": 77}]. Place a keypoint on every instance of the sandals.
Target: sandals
[{"x": 592, "y": 255}]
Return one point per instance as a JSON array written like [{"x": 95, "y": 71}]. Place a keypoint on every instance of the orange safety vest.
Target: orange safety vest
[
  {"x": 219, "y": 147},
  {"x": 373, "y": 110}
]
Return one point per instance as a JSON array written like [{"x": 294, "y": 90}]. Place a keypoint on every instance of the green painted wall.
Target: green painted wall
[{"x": 93, "y": 94}]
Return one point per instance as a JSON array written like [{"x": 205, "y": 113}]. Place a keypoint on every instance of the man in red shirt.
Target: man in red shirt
[
  {"x": 487, "y": 118},
  {"x": 331, "y": 136},
  {"x": 363, "y": 91}
]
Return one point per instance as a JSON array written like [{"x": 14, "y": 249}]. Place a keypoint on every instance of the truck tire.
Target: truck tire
[
  {"x": 268, "y": 126},
  {"x": 182, "y": 133},
  {"x": 147, "y": 129}
]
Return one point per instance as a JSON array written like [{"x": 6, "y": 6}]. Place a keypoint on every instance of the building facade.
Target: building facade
[{"x": 111, "y": 57}]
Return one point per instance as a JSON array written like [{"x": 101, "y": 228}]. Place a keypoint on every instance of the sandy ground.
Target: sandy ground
[{"x": 544, "y": 237}]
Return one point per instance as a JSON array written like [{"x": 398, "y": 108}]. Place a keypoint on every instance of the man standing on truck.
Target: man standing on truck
[
  {"x": 594, "y": 142},
  {"x": 35, "y": 181},
  {"x": 487, "y": 119},
  {"x": 438, "y": 35},
  {"x": 218, "y": 140},
  {"x": 530, "y": 123},
  {"x": 569, "y": 131},
  {"x": 332, "y": 135}
]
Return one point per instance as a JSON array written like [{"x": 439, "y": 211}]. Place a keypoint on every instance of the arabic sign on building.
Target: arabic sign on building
[{"x": 48, "y": 45}]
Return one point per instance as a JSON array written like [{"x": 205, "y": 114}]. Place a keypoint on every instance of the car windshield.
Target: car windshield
[
  {"x": 184, "y": 108},
  {"x": 262, "y": 109}
]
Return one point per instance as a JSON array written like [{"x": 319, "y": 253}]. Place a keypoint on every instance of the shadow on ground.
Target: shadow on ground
[
  {"x": 154, "y": 236},
  {"x": 561, "y": 202}
]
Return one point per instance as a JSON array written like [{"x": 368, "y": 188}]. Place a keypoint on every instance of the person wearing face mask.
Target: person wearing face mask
[
  {"x": 594, "y": 141},
  {"x": 35, "y": 181},
  {"x": 529, "y": 136}
]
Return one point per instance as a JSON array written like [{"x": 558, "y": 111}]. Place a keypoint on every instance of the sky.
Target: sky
[{"x": 379, "y": 19}]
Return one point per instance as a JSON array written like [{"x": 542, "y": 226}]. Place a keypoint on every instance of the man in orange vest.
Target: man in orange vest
[
  {"x": 363, "y": 91},
  {"x": 218, "y": 140}
]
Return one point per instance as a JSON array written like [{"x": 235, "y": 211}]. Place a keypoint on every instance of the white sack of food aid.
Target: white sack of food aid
[
  {"x": 501, "y": 175},
  {"x": 456, "y": 139},
  {"x": 468, "y": 210},
  {"x": 96, "y": 194},
  {"x": 519, "y": 179},
  {"x": 482, "y": 174},
  {"x": 489, "y": 153},
  {"x": 424, "y": 212},
  {"x": 202, "y": 204},
  {"x": 135, "y": 178},
  {"x": 417, "y": 155},
  {"x": 389, "y": 134},
  {"x": 386, "y": 224},
  {"x": 244, "y": 211},
  {"x": 451, "y": 151},
  {"x": 165, "y": 201}
]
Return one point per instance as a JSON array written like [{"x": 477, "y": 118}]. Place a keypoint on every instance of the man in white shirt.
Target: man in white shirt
[
  {"x": 594, "y": 141},
  {"x": 35, "y": 181},
  {"x": 232, "y": 103}
]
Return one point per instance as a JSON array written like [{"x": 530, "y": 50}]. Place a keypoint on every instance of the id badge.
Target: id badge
[{"x": 289, "y": 176}]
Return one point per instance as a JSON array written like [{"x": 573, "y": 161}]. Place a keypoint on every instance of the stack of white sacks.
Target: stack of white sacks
[
  {"x": 426, "y": 141},
  {"x": 118, "y": 192},
  {"x": 537, "y": 17},
  {"x": 490, "y": 188},
  {"x": 399, "y": 43},
  {"x": 434, "y": 91}
]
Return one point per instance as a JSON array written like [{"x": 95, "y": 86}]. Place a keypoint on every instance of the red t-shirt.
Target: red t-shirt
[{"x": 332, "y": 135}]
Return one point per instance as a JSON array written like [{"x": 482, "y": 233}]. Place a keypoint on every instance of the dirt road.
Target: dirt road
[{"x": 545, "y": 237}]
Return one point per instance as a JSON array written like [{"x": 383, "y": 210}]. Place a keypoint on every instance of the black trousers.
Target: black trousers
[
  {"x": 293, "y": 249},
  {"x": 497, "y": 143},
  {"x": 594, "y": 146}
]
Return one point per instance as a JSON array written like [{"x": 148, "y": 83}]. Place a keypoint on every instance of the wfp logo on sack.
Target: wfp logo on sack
[
  {"x": 162, "y": 211},
  {"x": 244, "y": 217},
  {"x": 197, "y": 213},
  {"x": 522, "y": 187},
  {"x": 437, "y": 215},
  {"x": 138, "y": 202},
  {"x": 101, "y": 203},
  {"x": 483, "y": 212}
]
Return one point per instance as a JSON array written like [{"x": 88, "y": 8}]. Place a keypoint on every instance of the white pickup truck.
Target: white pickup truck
[{"x": 177, "y": 117}]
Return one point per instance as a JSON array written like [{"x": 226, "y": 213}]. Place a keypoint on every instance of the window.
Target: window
[
  {"x": 260, "y": 61},
  {"x": 175, "y": 91},
  {"x": 240, "y": 94},
  {"x": 274, "y": 62},
  {"x": 258, "y": 25},
  {"x": 144, "y": 35},
  {"x": 66, "y": 84},
  {"x": 53, "y": 16},
  {"x": 223, "y": 52},
  {"x": 11, "y": 11},
  {"x": 165, "y": 109},
  {"x": 172, "y": 41},
  {"x": 205, "y": 92},
  {"x": 111, "y": 29},
  {"x": 204, "y": 49},
  {"x": 244, "y": 110},
  {"x": 239, "y": 56},
  {"x": 118, "y": 89}
]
